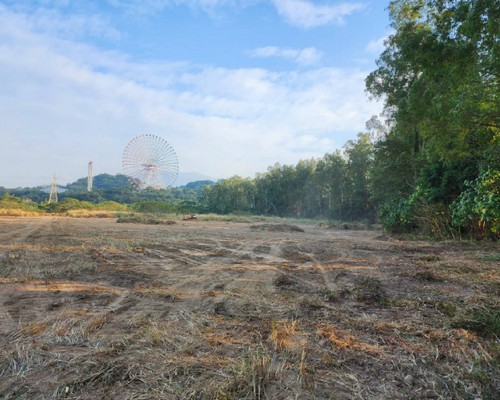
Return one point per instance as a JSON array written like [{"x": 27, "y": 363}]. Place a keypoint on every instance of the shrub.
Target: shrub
[
  {"x": 419, "y": 213},
  {"x": 110, "y": 206},
  {"x": 154, "y": 207},
  {"x": 9, "y": 204},
  {"x": 401, "y": 215},
  {"x": 67, "y": 205},
  {"x": 477, "y": 209},
  {"x": 484, "y": 321}
]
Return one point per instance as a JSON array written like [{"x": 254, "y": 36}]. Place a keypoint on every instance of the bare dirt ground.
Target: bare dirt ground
[{"x": 92, "y": 309}]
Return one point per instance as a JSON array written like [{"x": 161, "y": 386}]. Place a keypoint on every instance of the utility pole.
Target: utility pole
[
  {"x": 90, "y": 178},
  {"x": 53, "y": 190}
]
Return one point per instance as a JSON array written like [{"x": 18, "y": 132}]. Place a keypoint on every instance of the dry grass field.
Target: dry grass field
[{"x": 93, "y": 309}]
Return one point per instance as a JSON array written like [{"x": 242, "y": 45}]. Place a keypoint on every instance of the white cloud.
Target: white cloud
[
  {"x": 74, "y": 25},
  {"x": 153, "y": 6},
  {"x": 50, "y": 18},
  {"x": 64, "y": 103},
  {"x": 306, "y": 14},
  {"x": 376, "y": 46},
  {"x": 307, "y": 56}
]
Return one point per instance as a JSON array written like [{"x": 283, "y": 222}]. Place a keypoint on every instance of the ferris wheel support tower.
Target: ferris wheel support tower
[{"x": 90, "y": 178}]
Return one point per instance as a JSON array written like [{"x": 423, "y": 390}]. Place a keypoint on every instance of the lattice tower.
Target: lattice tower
[{"x": 53, "y": 190}]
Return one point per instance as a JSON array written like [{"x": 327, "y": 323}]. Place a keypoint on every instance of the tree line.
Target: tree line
[{"x": 336, "y": 186}]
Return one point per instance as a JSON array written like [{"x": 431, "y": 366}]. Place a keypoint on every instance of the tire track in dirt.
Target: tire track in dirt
[{"x": 13, "y": 233}]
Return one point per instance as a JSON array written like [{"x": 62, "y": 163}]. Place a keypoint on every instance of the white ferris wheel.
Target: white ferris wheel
[{"x": 150, "y": 162}]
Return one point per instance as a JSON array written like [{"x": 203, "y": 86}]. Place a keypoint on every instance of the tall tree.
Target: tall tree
[{"x": 360, "y": 157}]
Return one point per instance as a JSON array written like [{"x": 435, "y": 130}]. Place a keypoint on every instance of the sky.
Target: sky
[{"x": 234, "y": 86}]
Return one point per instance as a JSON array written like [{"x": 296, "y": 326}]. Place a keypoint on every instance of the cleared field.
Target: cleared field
[{"x": 218, "y": 310}]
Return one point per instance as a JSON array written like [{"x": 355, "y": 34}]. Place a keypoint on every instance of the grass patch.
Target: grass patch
[
  {"x": 427, "y": 275},
  {"x": 93, "y": 214},
  {"x": 484, "y": 321},
  {"x": 370, "y": 290},
  {"x": 493, "y": 257},
  {"x": 250, "y": 376},
  {"x": 5, "y": 212}
]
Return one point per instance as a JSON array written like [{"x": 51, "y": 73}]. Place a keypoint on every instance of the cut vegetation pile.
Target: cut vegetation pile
[
  {"x": 213, "y": 310},
  {"x": 144, "y": 219}
]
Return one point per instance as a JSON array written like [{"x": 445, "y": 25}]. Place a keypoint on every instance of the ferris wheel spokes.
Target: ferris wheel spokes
[{"x": 150, "y": 162}]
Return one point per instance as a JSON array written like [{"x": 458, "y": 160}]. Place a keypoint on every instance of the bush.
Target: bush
[
  {"x": 110, "y": 206},
  {"x": 12, "y": 205},
  {"x": 417, "y": 213},
  {"x": 484, "y": 321},
  {"x": 67, "y": 205},
  {"x": 401, "y": 215},
  {"x": 154, "y": 207},
  {"x": 477, "y": 210}
]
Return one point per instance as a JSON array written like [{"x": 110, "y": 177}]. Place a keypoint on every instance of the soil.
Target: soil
[{"x": 222, "y": 310}]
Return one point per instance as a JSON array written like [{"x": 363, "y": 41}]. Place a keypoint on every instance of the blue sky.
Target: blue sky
[{"x": 233, "y": 85}]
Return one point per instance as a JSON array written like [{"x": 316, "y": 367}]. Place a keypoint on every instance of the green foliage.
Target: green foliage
[
  {"x": 189, "y": 207},
  {"x": 336, "y": 186},
  {"x": 330, "y": 181},
  {"x": 478, "y": 207},
  {"x": 67, "y": 205},
  {"x": 101, "y": 182},
  {"x": 110, "y": 206},
  {"x": 230, "y": 195},
  {"x": 360, "y": 157},
  {"x": 154, "y": 207},
  {"x": 398, "y": 216},
  {"x": 438, "y": 76},
  {"x": 484, "y": 321},
  {"x": 9, "y": 202},
  {"x": 417, "y": 212},
  {"x": 401, "y": 215}
]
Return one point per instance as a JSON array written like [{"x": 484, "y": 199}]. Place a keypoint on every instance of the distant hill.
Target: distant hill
[
  {"x": 101, "y": 182},
  {"x": 116, "y": 188},
  {"x": 199, "y": 184},
  {"x": 120, "y": 181},
  {"x": 185, "y": 178}
]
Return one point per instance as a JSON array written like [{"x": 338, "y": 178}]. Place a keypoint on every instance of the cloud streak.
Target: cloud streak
[
  {"x": 376, "y": 46},
  {"x": 307, "y": 14},
  {"x": 305, "y": 57},
  {"x": 155, "y": 6}
]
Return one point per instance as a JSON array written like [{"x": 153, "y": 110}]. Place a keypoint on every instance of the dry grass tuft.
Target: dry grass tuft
[
  {"x": 93, "y": 214},
  {"x": 284, "y": 335},
  {"x": 250, "y": 377},
  {"x": 5, "y": 212},
  {"x": 342, "y": 339}
]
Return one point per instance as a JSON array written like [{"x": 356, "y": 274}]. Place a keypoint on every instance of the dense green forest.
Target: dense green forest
[{"x": 429, "y": 163}]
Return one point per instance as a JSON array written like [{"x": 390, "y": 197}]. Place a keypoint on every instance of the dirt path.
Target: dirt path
[{"x": 214, "y": 310}]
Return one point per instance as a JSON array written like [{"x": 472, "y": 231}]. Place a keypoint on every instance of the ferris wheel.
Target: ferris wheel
[{"x": 150, "y": 162}]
